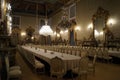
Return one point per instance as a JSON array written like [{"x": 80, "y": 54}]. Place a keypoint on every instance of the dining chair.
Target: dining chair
[
  {"x": 82, "y": 70},
  {"x": 57, "y": 67},
  {"x": 106, "y": 56},
  {"x": 91, "y": 65},
  {"x": 78, "y": 53},
  {"x": 11, "y": 58},
  {"x": 38, "y": 66},
  {"x": 84, "y": 53},
  {"x": 100, "y": 53},
  {"x": 12, "y": 73},
  {"x": 73, "y": 52}
]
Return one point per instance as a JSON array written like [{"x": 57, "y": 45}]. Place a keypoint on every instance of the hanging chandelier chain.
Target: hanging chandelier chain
[
  {"x": 46, "y": 20},
  {"x": 36, "y": 14},
  {"x": 45, "y": 29},
  {"x": 46, "y": 11}
]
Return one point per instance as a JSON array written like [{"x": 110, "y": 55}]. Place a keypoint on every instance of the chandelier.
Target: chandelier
[
  {"x": 64, "y": 23},
  {"x": 46, "y": 29}
]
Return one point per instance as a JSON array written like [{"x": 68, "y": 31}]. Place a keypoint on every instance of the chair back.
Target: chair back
[
  {"x": 78, "y": 53},
  {"x": 7, "y": 66},
  {"x": 83, "y": 64},
  {"x": 105, "y": 53},
  {"x": 83, "y": 53},
  {"x": 7, "y": 63},
  {"x": 57, "y": 65},
  {"x": 94, "y": 60}
]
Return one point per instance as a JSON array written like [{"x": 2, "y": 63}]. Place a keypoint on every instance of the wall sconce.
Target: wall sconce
[
  {"x": 77, "y": 28},
  {"x": 90, "y": 26},
  {"x": 23, "y": 34},
  {"x": 101, "y": 33},
  {"x": 61, "y": 32},
  {"x": 32, "y": 37},
  {"x": 66, "y": 31},
  {"x": 55, "y": 33},
  {"x": 58, "y": 35},
  {"x": 111, "y": 22},
  {"x": 96, "y": 33}
]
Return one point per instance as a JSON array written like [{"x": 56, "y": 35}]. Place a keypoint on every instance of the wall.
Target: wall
[
  {"x": 54, "y": 22},
  {"x": 84, "y": 11},
  {"x": 26, "y": 21}
]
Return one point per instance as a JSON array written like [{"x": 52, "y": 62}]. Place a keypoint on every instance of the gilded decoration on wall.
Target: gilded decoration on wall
[
  {"x": 58, "y": 39},
  {"x": 16, "y": 31},
  {"x": 15, "y": 35},
  {"x": 3, "y": 28},
  {"x": 64, "y": 23},
  {"x": 29, "y": 32},
  {"x": 103, "y": 15}
]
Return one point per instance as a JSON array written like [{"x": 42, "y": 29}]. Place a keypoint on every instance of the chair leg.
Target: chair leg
[
  {"x": 94, "y": 71},
  {"x": 20, "y": 78},
  {"x": 86, "y": 76},
  {"x": 42, "y": 70},
  {"x": 79, "y": 77},
  {"x": 72, "y": 75}
]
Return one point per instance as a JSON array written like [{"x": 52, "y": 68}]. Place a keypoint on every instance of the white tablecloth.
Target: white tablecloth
[{"x": 70, "y": 61}]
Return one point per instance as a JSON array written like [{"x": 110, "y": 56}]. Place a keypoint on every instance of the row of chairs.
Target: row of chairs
[
  {"x": 57, "y": 64},
  {"x": 38, "y": 66},
  {"x": 102, "y": 53},
  {"x": 62, "y": 46},
  {"x": 13, "y": 72},
  {"x": 84, "y": 67}
]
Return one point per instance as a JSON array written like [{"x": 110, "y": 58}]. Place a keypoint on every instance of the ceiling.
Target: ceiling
[{"x": 35, "y": 7}]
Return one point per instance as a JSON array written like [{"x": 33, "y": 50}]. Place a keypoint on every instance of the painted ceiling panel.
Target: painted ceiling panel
[{"x": 30, "y": 6}]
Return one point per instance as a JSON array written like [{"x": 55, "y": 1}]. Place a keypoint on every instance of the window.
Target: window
[
  {"x": 42, "y": 22},
  {"x": 16, "y": 21},
  {"x": 72, "y": 11}
]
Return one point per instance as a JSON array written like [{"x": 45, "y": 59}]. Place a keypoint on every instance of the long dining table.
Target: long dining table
[{"x": 70, "y": 61}]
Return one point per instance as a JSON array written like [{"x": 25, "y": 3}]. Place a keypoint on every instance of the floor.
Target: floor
[{"x": 104, "y": 71}]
